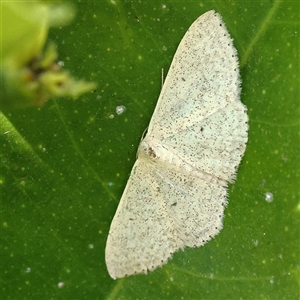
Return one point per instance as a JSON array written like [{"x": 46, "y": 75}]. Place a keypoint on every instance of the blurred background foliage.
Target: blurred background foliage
[
  {"x": 64, "y": 165},
  {"x": 30, "y": 77}
]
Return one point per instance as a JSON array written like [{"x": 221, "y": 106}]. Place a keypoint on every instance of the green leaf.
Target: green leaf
[{"x": 64, "y": 166}]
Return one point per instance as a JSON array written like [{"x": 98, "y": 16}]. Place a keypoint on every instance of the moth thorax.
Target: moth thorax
[{"x": 146, "y": 149}]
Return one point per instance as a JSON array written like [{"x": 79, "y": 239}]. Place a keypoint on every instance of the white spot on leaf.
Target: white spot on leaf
[
  {"x": 120, "y": 109},
  {"x": 269, "y": 197}
]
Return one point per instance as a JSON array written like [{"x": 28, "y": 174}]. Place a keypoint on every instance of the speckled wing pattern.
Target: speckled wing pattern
[{"x": 176, "y": 193}]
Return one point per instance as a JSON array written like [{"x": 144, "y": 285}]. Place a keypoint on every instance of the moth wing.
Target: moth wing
[
  {"x": 199, "y": 115},
  {"x": 161, "y": 211}
]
